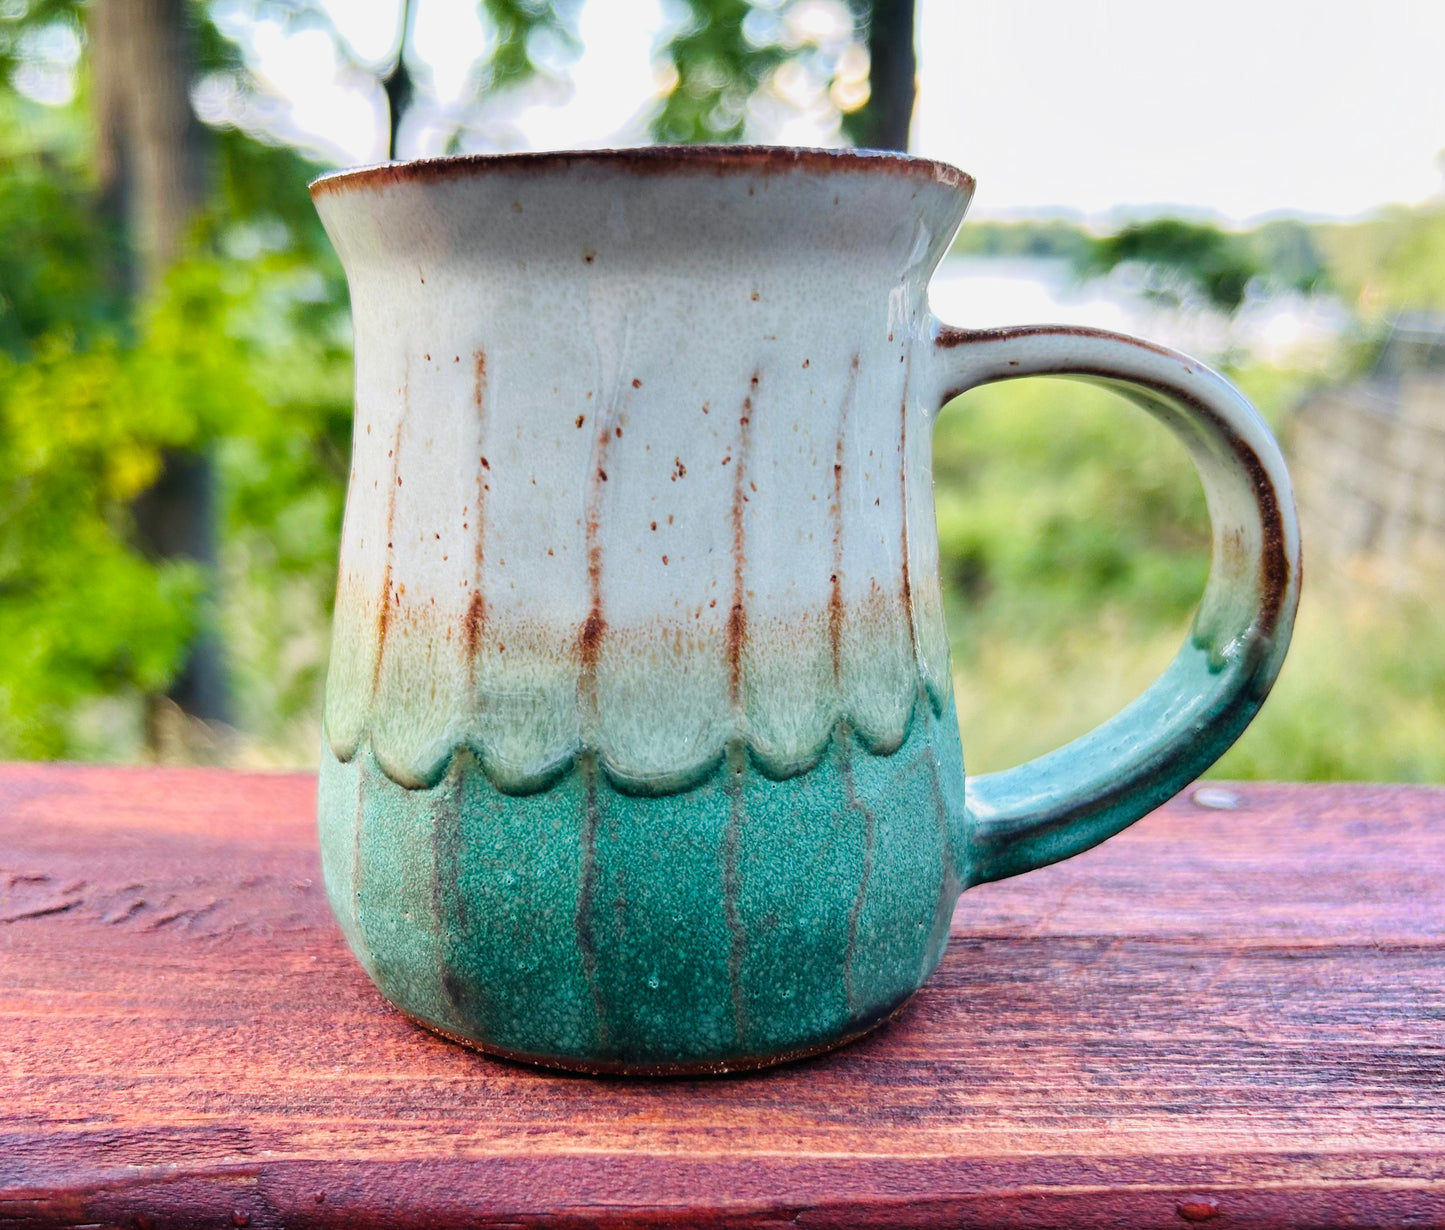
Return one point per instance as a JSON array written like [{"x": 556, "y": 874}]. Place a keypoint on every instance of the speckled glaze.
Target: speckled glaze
[{"x": 639, "y": 748}]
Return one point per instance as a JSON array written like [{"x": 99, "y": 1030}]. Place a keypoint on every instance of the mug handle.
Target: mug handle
[{"x": 1073, "y": 798}]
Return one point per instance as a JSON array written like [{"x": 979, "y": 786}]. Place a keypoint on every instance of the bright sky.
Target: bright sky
[{"x": 1238, "y": 107}]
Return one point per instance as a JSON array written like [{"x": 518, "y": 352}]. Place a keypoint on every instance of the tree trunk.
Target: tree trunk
[
  {"x": 150, "y": 157},
  {"x": 892, "y": 77},
  {"x": 150, "y": 153},
  {"x": 107, "y": 39}
]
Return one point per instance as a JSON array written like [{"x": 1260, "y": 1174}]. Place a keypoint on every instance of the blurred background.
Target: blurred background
[{"x": 1257, "y": 182}]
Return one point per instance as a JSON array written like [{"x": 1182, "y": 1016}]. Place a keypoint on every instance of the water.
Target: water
[{"x": 982, "y": 292}]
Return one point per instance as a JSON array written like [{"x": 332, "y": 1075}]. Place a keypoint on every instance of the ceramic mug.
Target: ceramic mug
[{"x": 639, "y": 748}]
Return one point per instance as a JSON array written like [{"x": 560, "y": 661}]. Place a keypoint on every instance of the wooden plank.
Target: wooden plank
[{"x": 1244, "y": 1007}]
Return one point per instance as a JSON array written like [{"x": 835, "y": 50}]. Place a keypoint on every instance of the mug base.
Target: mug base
[{"x": 617, "y": 1067}]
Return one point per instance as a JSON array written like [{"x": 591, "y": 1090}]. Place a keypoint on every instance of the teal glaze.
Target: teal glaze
[
  {"x": 1067, "y": 801},
  {"x": 724, "y": 926}
]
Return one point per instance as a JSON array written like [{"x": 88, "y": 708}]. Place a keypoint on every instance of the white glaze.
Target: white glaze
[{"x": 743, "y": 349}]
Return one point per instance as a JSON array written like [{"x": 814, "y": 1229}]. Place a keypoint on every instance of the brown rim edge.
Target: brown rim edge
[
  {"x": 719, "y": 1067},
  {"x": 648, "y": 160}
]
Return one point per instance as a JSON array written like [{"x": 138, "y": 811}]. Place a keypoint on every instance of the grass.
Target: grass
[{"x": 1074, "y": 545}]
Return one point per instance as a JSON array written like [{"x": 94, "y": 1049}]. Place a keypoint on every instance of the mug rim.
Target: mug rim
[{"x": 647, "y": 160}]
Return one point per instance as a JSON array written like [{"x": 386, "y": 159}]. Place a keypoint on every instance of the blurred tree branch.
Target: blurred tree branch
[{"x": 397, "y": 84}]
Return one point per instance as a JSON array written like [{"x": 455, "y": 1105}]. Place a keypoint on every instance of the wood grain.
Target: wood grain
[{"x": 1235, "y": 1016}]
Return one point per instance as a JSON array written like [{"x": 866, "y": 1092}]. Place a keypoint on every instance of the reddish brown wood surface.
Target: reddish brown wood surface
[{"x": 1230, "y": 1015}]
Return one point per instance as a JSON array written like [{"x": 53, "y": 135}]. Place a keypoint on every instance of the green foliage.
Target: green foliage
[
  {"x": 1194, "y": 264},
  {"x": 1180, "y": 262},
  {"x": 1074, "y": 540},
  {"x": 1362, "y": 694},
  {"x": 722, "y": 53},
  {"x": 244, "y": 357},
  {"x": 55, "y": 250},
  {"x": 1053, "y": 238},
  {"x": 1391, "y": 262},
  {"x": 520, "y": 26},
  {"x": 21, "y": 20},
  {"x": 282, "y": 473},
  {"x": 1289, "y": 253},
  {"x": 1183, "y": 263},
  {"x": 718, "y": 69},
  {"x": 1055, "y": 499},
  {"x": 82, "y": 612},
  {"x": 1074, "y": 545},
  {"x": 263, "y": 185}
]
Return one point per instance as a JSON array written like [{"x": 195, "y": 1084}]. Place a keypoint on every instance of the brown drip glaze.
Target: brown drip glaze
[
  {"x": 474, "y": 622},
  {"x": 906, "y": 585},
  {"x": 594, "y": 627},
  {"x": 737, "y": 616},
  {"x": 835, "y": 581},
  {"x": 383, "y": 615}
]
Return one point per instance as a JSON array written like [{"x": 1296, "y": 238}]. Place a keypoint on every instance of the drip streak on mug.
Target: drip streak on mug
[
  {"x": 474, "y": 623},
  {"x": 384, "y": 613},
  {"x": 835, "y": 581},
  {"x": 737, "y": 629},
  {"x": 905, "y": 586}
]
